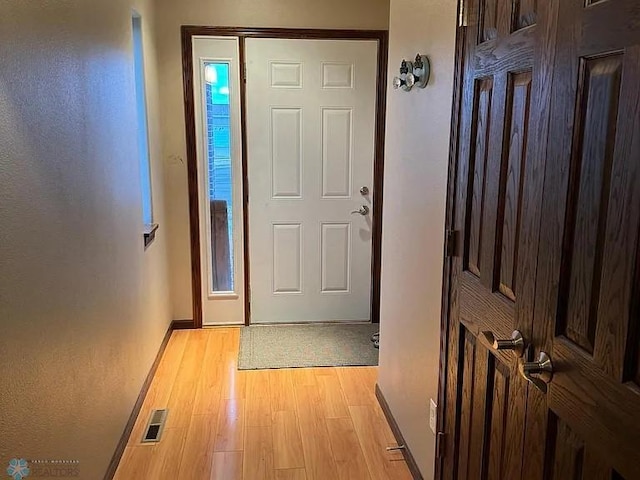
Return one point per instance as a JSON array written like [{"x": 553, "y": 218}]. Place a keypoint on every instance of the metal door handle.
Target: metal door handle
[
  {"x": 363, "y": 210},
  {"x": 515, "y": 344},
  {"x": 539, "y": 373},
  {"x": 543, "y": 368}
]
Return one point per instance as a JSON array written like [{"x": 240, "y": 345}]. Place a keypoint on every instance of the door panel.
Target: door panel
[
  {"x": 492, "y": 412},
  {"x": 495, "y": 122},
  {"x": 512, "y": 173},
  {"x": 571, "y": 458},
  {"x": 287, "y": 258},
  {"x": 286, "y": 152},
  {"x": 310, "y": 136}
]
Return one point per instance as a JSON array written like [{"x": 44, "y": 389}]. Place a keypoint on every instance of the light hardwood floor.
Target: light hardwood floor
[{"x": 287, "y": 424}]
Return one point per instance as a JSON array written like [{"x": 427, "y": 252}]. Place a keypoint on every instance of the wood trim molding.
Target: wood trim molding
[
  {"x": 449, "y": 224},
  {"x": 408, "y": 456},
  {"x": 295, "y": 33},
  {"x": 192, "y": 177},
  {"x": 124, "y": 439},
  {"x": 187, "y": 34},
  {"x": 378, "y": 177},
  {"x": 245, "y": 180},
  {"x": 182, "y": 325}
]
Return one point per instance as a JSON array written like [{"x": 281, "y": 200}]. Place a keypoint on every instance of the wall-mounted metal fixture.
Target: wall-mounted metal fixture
[
  {"x": 406, "y": 78},
  {"x": 421, "y": 71},
  {"x": 413, "y": 74}
]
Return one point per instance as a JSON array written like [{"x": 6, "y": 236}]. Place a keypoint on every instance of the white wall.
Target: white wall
[
  {"x": 83, "y": 308},
  {"x": 344, "y": 14},
  {"x": 418, "y": 126}
]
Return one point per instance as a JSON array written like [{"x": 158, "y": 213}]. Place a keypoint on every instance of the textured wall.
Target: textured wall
[
  {"x": 171, "y": 14},
  {"x": 418, "y": 126},
  {"x": 83, "y": 308}
]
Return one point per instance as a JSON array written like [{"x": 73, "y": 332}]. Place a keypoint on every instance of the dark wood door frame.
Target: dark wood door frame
[{"x": 187, "y": 33}]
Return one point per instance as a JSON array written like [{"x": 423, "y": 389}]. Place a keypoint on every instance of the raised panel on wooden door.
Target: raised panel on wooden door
[
  {"x": 570, "y": 458},
  {"x": 480, "y": 308},
  {"x": 495, "y": 192},
  {"x": 512, "y": 182},
  {"x": 499, "y": 18},
  {"x": 491, "y": 404},
  {"x": 478, "y": 175},
  {"x": 525, "y": 14},
  {"x": 589, "y": 324}
]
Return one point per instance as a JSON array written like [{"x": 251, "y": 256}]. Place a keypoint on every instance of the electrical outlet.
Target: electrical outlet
[{"x": 433, "y": 416}]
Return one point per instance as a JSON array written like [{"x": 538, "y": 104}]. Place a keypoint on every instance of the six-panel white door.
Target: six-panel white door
[{"x": 310, "y": 141}]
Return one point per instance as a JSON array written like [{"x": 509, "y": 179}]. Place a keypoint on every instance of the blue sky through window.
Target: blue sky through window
[{"x": 220, "y": 165}]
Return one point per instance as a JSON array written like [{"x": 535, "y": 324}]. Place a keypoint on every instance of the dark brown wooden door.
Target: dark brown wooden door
[
  {"x": 547, "y": 210},
  {"x": 497, "y": 216},
  {"x": 587, "y": 287}
]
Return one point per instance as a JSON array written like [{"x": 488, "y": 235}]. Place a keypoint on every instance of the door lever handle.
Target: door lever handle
[
  {"x": 363, "y": 210},
  {"x": 539, "y": 373},
  {"x": 515, "y": 344}
]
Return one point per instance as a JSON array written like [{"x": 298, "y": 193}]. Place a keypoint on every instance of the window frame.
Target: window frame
[{"x": 144, "y": 155}]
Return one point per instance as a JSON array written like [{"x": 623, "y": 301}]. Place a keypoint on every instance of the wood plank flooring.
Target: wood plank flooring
[{"x": 287, "y": 424}]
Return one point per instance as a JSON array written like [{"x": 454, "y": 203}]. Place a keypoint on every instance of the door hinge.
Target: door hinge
[
  {"x": 451, "y": 243},
  {"x": 440, "y": 444},
  {"x": 462, "y": 14},
  {"x": 244, "y": 72},
  {"x": 249, "y": 304}
]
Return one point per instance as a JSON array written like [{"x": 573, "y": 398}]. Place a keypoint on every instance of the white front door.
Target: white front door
[
  {"x": 310, "y": 140},
  {"x": 216, "y": 82}
]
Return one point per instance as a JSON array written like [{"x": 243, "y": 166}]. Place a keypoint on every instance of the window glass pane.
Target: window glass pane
[
  {"x": 220, "y": 174},
  {"x": 141, "y": 108}
]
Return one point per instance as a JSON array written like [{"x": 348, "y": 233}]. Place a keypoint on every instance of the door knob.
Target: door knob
[
  {"x": 516, "y": 343},
  {"x": 539, "y": 373},
  {"x": 364, "y": 190},
  {"x": 363, "y": 210},
  {"x": 543, "y": 367}
]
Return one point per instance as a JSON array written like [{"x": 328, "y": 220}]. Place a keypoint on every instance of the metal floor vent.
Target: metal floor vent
[{"x": 155, "y": 426}]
